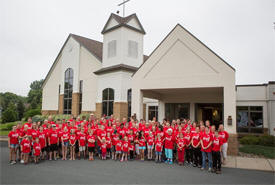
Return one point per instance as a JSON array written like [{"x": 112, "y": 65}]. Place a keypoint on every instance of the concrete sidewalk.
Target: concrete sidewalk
[
  {"x": 261, "y": 164},
  {"x": 250, "y": 163}
]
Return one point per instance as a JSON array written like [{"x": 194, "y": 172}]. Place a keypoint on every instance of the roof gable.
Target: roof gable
[{"x": 131, "y": 22}]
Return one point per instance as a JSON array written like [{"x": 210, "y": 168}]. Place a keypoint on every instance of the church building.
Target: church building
[{"x": 181, "y": 78}]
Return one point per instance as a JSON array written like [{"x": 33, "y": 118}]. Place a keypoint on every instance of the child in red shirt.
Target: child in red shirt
[
  {"x": 132, "y": 149},
  {"x": 65, "y": 143},
  {"x": 82, "y": 144},
  {"x": 150, "y": 145},
  {"x": 158, "y": 148},
  {"x": 216, "y": 153},
  {"x": 188, "y": 148},
  {"x": 195, "y": 142},
  {"x": 72, "y": 141},
  {"x": 103, "y": 148},
  {"x": 118, "y": 148},
  {"x": 37, "y": 150},
  {"x": 169, "y": 146},
  {"x": 125, "y": 149},
  {"x": 109, "y": 144},
  {"x": 26, "y": 148},
  {"x": 114, "y": 141},
  {"x": 142, "y": 144},
  {"x": 181, "y": 148},
  {"x": 91, "y": 144}
]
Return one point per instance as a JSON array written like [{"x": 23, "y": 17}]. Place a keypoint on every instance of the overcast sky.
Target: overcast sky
[{"x": 33, "y": 31}]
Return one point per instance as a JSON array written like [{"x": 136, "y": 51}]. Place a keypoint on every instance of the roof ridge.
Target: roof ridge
[{"x": 72, "y": 34}]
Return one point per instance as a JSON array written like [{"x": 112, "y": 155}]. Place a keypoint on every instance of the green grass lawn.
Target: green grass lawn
[
  {"x": 266, "y": 151},
  {"x": 4, "y": 132},
  {"x": 6, "y": 127}
]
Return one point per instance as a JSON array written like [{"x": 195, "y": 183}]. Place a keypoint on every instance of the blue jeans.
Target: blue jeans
[
  {"x": 209, "y": 156},
  {"x": 169, "y": 153}
]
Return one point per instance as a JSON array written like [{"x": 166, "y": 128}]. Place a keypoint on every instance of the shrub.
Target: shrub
[
  {"x": 250, "y": 140},
  {"x": 267, "y": 140},
  {"x": 31, "y": 113},
  {"x": 10, "y": 114},
  {"x": 10, "y": 125}
]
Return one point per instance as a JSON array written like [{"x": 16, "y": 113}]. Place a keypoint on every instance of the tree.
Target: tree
[
  {"x": 20, "y": 109},
  {"x": 10, "y": 114},
  {"x": 35, "y": 94}
]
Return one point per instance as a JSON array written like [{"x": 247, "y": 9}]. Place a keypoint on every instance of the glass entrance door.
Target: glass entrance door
[{"x": 177, "y": 111}]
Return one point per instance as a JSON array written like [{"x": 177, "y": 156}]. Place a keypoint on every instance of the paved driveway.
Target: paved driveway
[{"x": 112, "y": 172}]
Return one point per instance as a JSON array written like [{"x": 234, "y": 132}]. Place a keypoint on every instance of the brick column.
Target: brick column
[
  {"x": 98, "y": 110},
  {"x": 144, "y": 111},
  {"x": 233, "y": 144},
  {"x": 75, "y": 104},
  {"x": 120, "y": 110},
  {"x": 61, "y": 104}
]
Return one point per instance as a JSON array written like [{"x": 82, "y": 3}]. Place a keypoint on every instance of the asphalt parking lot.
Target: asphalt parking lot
[{"x": 114, "y": 172}]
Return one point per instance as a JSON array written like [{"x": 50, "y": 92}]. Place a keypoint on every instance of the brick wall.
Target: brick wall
[
  {"x": 98, "y": 110},
  {"x": 75, "y": 104},
  {"x": 120, "y": 110},
  {"x": 49, "y": 112},
  {"x": 61, "y": 104},
  {"x": 233, "y": 144}
]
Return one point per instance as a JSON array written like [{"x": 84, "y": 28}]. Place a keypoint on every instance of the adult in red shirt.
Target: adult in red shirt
[
  {"x": 13, "y": 144},
  {"x": 53, "y": 141},
  {"x": 29, "y": 123},
  {"x": 181, "y": 148},
  {"x": 150, "y": 145},
  {"x": 188, "y": 147},
  {"x": 169, "y": 146},
  {"x": 224, "y": 136},
  {"x": 42, "y": 140},
  {"x": 216, "y": 153},
  {"x": 206, "y": 148},
  {"x": 72, "y": 141},
  {"x": 195, "y": 142}
]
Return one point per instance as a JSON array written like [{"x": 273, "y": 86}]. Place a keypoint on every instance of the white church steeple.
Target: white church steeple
[{"x": 122, "y": 41}]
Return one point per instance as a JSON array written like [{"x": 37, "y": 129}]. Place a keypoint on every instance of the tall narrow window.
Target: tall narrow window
[
  {"x": 112, "y": 49},
  {"x": 153, "y": 112},
  {"x": 129, "y": 100},
  {"x": 68, "y": 91},
  {"x": 132, "y": 49},
  {"x": 107, "y": 101},
  {"x": 80, "y": 95}
]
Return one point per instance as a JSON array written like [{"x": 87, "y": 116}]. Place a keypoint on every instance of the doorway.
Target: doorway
[{"x": 177, "y": 111}]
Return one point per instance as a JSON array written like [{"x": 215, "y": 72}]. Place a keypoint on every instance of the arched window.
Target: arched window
[
  {"x": 108, "y": 101},
  {"x": 68, "y": 91},
  {"x": 129, "y": 100}
]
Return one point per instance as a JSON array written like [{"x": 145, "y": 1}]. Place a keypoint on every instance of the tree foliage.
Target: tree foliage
[
  {"x": 35, "y": 94},
  {"x": 10, "y": 114}
]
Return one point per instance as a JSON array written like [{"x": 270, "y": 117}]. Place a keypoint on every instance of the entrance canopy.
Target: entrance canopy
[{"x": 183, "y": 70}]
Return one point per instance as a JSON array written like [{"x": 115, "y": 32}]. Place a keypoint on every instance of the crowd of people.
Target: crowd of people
[{"x": 183, "y": 141}]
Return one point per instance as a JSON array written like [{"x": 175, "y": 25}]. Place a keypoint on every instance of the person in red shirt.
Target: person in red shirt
[
  {"x": 103, "y": 147},
  {"x": 13, "y": 144},
  {"x": 42, "y": 140},
  {"x": 158, "y": 148},
  {"x": 132, "y": 149},
  {"x": 65, "y": 143},
  {"x": 125, "y": 149},
  {"x": 169, "y": 146},
  {"x": 82, "y": 143},
  {"x": 72, "y": 141},
  {"x": 150, "y": 145},
  {"x": 91, "y": 144},
  {"x": 118, "y": 148},
  {"x": 216, "y": 153},
  {"x": 206, "y": 148},
  {"x": 224, "y": 135},
  {"x": 115, "y": 138},
  {"x": 26, "y": 148},
  {"x": 109, "y": 144},
  {"x": 181, "y": 148},
  {"x": 195, "y": 142},
  {"x": 36, "y": 150},
  {"x": 188, "y": 147},
  {"x": 142, "y": 144},
  {"x": 53, "y": 141}
]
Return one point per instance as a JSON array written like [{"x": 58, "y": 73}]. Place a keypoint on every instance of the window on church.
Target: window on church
[
  {"x": 132, "y": 49},
  {"x": 152, "y": 112},
  {"x": 112, "y": 49},
  {"x": 80, "y": 95},
  {"x": 129, "y": 100},
  {"x": 107, "y": 101},
  {"x": 68, "y": 91}
]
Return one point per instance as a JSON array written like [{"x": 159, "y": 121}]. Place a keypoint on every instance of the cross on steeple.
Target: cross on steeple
[{"x": 123, "y": 3}]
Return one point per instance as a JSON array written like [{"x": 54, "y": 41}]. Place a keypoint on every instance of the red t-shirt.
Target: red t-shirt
[
  {"x": 196, "y": 138},
  {"x": 169, "y": 142},
  {"x": 131, "y": 147},
  {"x": 187, "y": 138},
  {"x": 37, "y": 149},
  {"x": 72, "y": 138},
  {"x": 65, "y": 136},
  {"x": 104, "y": 148},
  {"x": 26, "y": 145},
  {"x": 217, "y": 143},
  {"x": 13, "y": 137},
  {"x": 131, "y": 138},
  {"x": 91, "y": 140},
  {"x": 34, "y": 134},
  {"x": 42, "y": 137},
  {"x": 181, "y": 142},
  {"x": 206, "y": 139},
  {"x": 115, "y": 139},
  {"x": 142, "y": 142},
  {"x": 53, "y": 135},
  {"x": 146, "y": 132},
  {"x": 125, "y": 146},
  {"x": 224, "y": 136},
  {"x": 82, "y": 139},
  {"x": 108, "y": 142},
  {"x": 109, "y": 129},
  {"x": 101, "y": 134},
  {"x": 121, "y": 132},
  {"x": 159, "y": 145},
  {"x": 150, "y": 140},
  {"x": 118, "y": 145}
]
